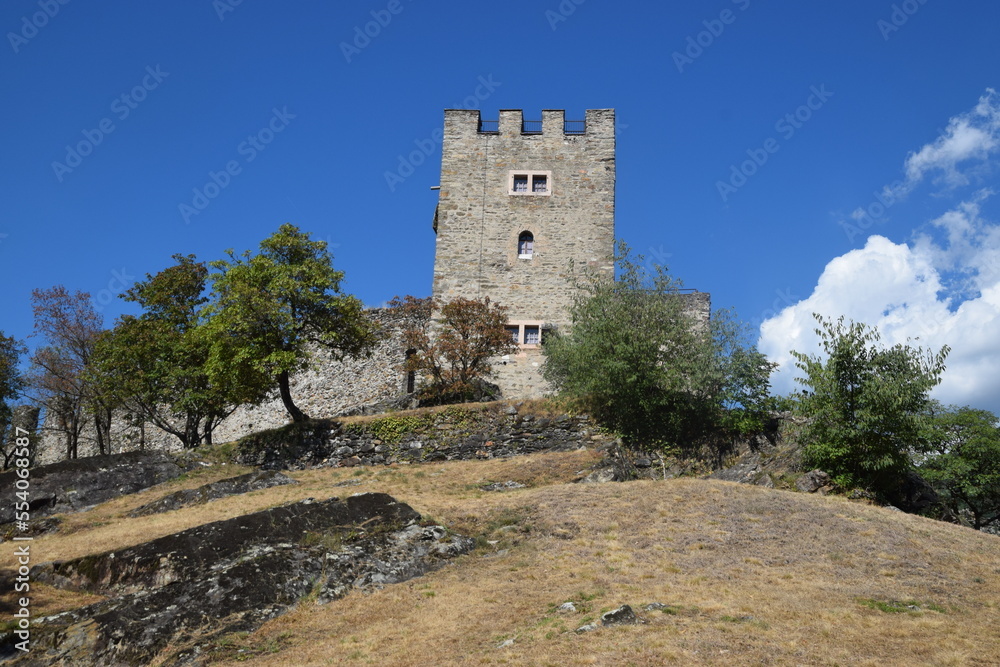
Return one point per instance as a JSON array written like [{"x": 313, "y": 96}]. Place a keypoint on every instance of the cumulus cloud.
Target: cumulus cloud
[
  {"x": 943, "y": 288},
  {"x": 974, "y": 135}
]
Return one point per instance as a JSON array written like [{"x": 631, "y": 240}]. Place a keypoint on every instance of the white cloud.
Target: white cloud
[
  {"x": 942, "y": 289},
  {"x": 970, "y": 136}
]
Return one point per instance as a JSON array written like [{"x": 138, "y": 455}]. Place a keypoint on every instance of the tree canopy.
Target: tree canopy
[
  {"x": 865, "y": 404},
  {"x": 269, "y": 308},
  {"x": 456, "y": 359},
  {"x": 644, "y": 363}
]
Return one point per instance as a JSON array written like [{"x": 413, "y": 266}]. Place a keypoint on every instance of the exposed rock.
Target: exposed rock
[
  {"x": 812, "y": 481},
  {"x": 232, "y": 576},
  {"x": 566, "y": 608},
  {"x": 503, "y": 486},
  {"x": 70, "y": 486},
  {"x": 621, "y": 616},
  {"x": 589, "y": 627},
  {"x": 615, "y": 467},
  {"x": 483, "y": 434},
  {"x": 254, "y": 481}
]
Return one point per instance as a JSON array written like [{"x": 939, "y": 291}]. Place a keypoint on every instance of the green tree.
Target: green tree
[
  {"x": 865, "y": 404},
  {"x": 11, "y": 385},
  {"x": 962, "y": 461},
  {"x": 455, "y": 359},
  {"x": 646, "y": 364},
  {"x": 155, "y": 364},
  {"x": 269, "y": 308}
]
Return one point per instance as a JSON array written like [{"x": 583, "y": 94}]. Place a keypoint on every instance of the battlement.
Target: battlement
[{"x": 511, "y": 123}]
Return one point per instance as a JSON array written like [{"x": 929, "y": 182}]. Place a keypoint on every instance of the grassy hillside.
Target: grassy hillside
[{"x": 749, "y": 575}]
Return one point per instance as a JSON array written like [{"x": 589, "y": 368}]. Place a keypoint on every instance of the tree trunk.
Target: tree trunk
[{"x": 286, "y": 397}]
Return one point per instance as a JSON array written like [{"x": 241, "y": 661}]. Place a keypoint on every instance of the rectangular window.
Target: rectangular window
[
  {"x": 532, "y": 336},
  {"x": 529, "y": 183},
  {"x": 515, "y": 333}
]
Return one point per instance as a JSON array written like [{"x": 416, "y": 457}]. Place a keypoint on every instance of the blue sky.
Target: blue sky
[{"x": 754, "y": 138}]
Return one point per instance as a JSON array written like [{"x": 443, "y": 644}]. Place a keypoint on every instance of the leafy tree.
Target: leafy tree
[
  {"x": 11, "y": 385},
  {"x": 865, "y": 404},
  {"x": 70, "y": 326},
  {"x": 455, "y": 358},
  {"x": 962, "y": 461},
  {"x": 155, "y": 364},
  {"x": 270, "y": 307},
  {"x": 647, "y": 366}
]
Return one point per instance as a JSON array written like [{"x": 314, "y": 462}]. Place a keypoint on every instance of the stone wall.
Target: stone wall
[{"x": 327, "y": 389}]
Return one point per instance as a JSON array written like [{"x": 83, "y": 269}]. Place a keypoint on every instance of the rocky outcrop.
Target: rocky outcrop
[
  {"x": 254, "y": 481},
  {"x": 70, "y": 486},
  {"x": 449, "y": 435},
  {"x": 232, "y": 576}
]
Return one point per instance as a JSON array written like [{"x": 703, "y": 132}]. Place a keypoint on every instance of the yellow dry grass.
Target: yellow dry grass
[{"x": 751, "y": 575}]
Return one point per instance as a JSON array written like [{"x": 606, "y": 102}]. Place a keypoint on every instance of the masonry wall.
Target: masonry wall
[
  {"x": 478, "y": 221},
  {"x": 328, "y": 388}
]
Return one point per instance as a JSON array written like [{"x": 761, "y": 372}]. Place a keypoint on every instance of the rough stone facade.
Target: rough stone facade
[
  {"x": 328, "y": 388},
  {"x": 566, "y": 202}
]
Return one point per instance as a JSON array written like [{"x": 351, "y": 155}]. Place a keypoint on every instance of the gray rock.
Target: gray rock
[
  {"x": 621, "y": 616},
  {"x": 232, "y": 576},
  {"x": 566, "y": 608},
  {"x": 643, "y": 462},
  {"x": 343, "y": 451},
  {"x": 367, "y": 447},
  {"x": 227, "y": 487},
  {"x": 589, "y": 627},
  {"x": 72, "y": 486},
  {"x": 381, "y": 449},
  {"x": 812, "y": 481},
  {"x": 503, "y": 486}
]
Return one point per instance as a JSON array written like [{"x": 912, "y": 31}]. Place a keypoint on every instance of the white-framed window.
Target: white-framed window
[
  {"x": 526, "y": 333},
  {"x": 531, "y": 183},
  {"x": 525, "y": 245}
]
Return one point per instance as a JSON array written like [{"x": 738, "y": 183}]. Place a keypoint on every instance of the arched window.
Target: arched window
[{"x": 525, "y": 245}]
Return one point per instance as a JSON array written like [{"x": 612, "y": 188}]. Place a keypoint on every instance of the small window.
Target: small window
[
  {"x": 525, "y": 245},
  {"x": 529, "y": 183},
  {"x": 411, "y": 376},
  {"x": 515, "y": 333},
  {"x": 532, "y": 335}
]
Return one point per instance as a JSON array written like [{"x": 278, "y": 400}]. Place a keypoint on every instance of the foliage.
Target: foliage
[
  {"x": 962, "y": 461},
  {"x": 11, "y": 386},
  {"x": 269, "y": 307},
  {"x": 649, "y": 368},
  {"x": 865, "y": 404},
  {"x": 155, "y": 364},
  {"x": 70, "y": 327},
  {"x": 11, "y": 380},
  {"x": 391, "y": 429},
  {"x": 454, "y": 359}
]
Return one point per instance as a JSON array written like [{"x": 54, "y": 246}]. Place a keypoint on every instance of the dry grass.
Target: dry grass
[{"x": 752, "y": 576}]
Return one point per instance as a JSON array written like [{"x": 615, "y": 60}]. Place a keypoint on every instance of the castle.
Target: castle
[{"x": 522, "y": 205}]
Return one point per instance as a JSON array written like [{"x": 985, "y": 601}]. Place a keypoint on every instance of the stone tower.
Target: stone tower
[{"x": 521, "y": 202}]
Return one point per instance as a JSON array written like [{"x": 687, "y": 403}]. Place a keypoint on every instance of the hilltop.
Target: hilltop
[{"x": 717, "y": 572}]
